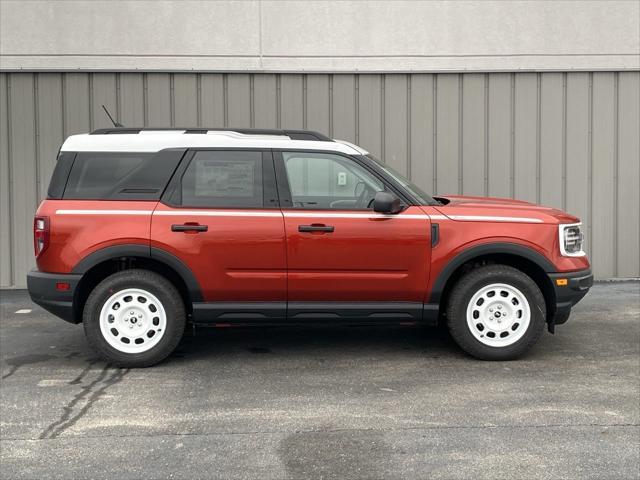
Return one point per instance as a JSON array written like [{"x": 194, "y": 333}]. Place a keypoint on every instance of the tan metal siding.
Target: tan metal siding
[
  {"x": 23, "y": 173},
  {"x": 395, "y": 120},
  {"x": 370, "y": 113},
  {"x": 577, "y": 184},
  {"x": 447, "y": 133},
  {"x": 238, "y": 100},
  {"x": 130, "y": 96},
  {"x": 564, "y": 139},
  {"x": 552, "y": 139},
  {"x": 525, "y": 141},
  {"x": 319, "y": 111},
  {"x": 343, "y": 97},
  {"x": 265, "y": 101},
  {"x": 185, "y": 100},
  {"x": 473, "y": 134},
  {"x": 628, "y": 174},
  {"x": 603, "y": 173},
  {"x": 500, "y": 153},
  {"x": 49, "y": 133},
  {"x": 212, "y": 99},
  {"x": 422, "y": 130},
  {"x": 158, "y": 101},
  {"x": 6, "y": 244},
  {"x": 291, "y": 102}
]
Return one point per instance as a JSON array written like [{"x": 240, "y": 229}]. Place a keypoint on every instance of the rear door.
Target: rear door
[
  {"x": 338, "y": 248},
  {"x": 220, "y": 216}
]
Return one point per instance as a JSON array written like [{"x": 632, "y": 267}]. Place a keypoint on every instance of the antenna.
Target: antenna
[{"x": 115, "y": 124}]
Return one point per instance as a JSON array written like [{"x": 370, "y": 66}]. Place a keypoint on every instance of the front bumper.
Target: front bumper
[
  {"x": 43, "y": 289},
  {"x": 570, "y": 292}
]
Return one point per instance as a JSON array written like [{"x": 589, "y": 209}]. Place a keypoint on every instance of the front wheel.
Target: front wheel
[
  {"x": 134, "y": 318},
  {"x": 496, "y": 312}
]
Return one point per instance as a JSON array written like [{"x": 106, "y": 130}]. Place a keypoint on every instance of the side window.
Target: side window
[
  {"x": 325, "y": 181},
  {"x": 223, "y": 179},
  {"x": 60, "y": 174},
  {"x": 101, "y": 176}
]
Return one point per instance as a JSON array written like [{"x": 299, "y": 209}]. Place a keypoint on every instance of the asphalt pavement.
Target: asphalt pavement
[{"x": 340, "y": 402}]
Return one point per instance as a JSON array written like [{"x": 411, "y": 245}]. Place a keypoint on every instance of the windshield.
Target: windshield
[{"x": 420, "y": 195}]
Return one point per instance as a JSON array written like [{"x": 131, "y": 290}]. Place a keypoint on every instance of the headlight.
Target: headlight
[{"x": 571, "y": 240}]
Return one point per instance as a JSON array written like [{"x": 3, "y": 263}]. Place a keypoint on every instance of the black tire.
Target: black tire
[
  {"x": 463, "y": 292},
  {"x": 153, "y": 283}
]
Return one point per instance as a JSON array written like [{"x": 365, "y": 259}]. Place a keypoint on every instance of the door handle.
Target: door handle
[
  {"x": 316, "y": 227},
  {"x": 189, "y": 227}
]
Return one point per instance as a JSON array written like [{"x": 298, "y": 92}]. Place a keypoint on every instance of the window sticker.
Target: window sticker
[{"x": 225, "y": 179}]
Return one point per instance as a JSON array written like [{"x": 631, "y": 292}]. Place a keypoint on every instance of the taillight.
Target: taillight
[{"x": 40, "y": 234}]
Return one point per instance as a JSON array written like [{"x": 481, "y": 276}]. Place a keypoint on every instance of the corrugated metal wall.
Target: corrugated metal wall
[{"x": 569, "y": 140}]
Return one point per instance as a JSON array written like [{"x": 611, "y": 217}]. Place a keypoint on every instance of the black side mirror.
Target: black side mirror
[{"x": 385, "y": 202}]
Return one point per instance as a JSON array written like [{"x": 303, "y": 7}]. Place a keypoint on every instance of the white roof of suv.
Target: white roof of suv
[{"x": 154, "y": 140}]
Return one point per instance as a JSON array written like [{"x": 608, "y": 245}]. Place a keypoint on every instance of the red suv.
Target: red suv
[{"x": 144, "y": 230}]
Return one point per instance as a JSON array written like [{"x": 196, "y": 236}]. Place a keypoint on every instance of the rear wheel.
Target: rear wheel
[
  {"x": 496, "y": 312},
  {"x": 134, "y": 318}
]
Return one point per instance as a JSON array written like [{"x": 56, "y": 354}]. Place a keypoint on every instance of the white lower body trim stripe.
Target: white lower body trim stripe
[
  {"x": 482, "y": 218},
  {"x": 218, "y": 213},
  {"x": 374, "y": 216},
  {"x": 104, "y": 212},
  {"x": 301, "y": 214}
]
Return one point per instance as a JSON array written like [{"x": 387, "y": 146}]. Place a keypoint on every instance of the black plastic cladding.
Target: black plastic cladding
[
  {"x": 142, "y": 251},
  {"x": 497, "y": 248}
]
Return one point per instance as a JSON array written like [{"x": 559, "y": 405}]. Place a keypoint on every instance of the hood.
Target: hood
[{"x": 458, "y": 207}]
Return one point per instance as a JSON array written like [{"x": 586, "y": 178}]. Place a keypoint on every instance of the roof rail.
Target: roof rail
[{"x": 292, "y": 134}]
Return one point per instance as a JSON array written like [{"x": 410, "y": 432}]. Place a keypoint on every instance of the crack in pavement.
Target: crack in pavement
[
  {"x": 17, "y": 362},
  {"x": 83, "y": 373},
  {"x": 67, "y": 419}
]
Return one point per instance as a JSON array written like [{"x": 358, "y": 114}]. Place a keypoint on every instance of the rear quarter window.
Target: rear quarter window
[
  {"x": 60, "y": 175},
  {"x": 120, "y": 175}
]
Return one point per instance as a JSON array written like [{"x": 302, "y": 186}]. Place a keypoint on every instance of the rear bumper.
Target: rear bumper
[
  {"x": 43, "y": 291},
  {"x": 577, "y": 285}
]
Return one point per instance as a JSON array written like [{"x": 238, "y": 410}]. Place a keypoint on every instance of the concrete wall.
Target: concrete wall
[
  {"x": 564, "y": 139},
  {"x": 320, "y": 36}
]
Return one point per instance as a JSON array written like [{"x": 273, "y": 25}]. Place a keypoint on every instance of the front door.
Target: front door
[
  {"x": 220, "y": 217},
  {"x": 338, "y": 248}
]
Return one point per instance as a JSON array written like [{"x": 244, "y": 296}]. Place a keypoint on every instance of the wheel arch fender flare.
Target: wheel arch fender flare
[
  {"x": 478, "y": 251},
  {"x": 143, "y": 251}
]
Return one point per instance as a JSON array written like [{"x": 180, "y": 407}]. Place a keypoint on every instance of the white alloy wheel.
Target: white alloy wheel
[
  {"x": 133, "y": 320},
  {"x": 498, "y": 315}
]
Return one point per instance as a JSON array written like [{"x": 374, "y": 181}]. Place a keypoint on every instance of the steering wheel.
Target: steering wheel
[{"x": 361, "y": 198}]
